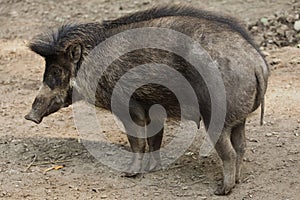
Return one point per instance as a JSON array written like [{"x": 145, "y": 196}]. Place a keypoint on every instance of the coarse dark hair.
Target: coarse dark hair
[{"x": 90, "y": 34}]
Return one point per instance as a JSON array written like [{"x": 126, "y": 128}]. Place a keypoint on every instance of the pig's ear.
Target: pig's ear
[{"x": 75, "y": 52}]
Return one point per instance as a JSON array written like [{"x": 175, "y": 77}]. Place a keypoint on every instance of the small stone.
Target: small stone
[
  {"x": 110, "y": 153},
  {"x": 265, "y": 21},
  {"x": 269, "y": 134},
  {"x": 104, "y": 196},
  {"x": 185, "y": 187},
  {"x": 297, "y": 25},
  {"x": 266, "y": 53},
  {"x": 282, "y": 29},
  {"x": 290, "y": 18},
  {"x": 254, "y": 28},
  {"x": 275, "y": 61},
  {"x": 279, "y": 145},
  {"x": 189, "y": 153},
  {"x": 290, "y": 34},
  {"x": 253, "y": 140}
]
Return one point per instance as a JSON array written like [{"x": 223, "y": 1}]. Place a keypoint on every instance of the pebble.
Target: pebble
[
  {"x": 253, "y": 140},
  {"x": 266, "y": 53},
  {"x": 264, "y": 21},
  {"x": 278, "y": 145},
  {"x": 269, "y": 134},
  {"x": 185, "y": 187},
  {"x": 297, "y": 25},
  {"x": 275, "y": 61},
  {"x": 189, "y": 153}
]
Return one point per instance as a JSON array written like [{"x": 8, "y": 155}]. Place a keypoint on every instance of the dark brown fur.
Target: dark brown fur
[{"x": 226, "y": 41}]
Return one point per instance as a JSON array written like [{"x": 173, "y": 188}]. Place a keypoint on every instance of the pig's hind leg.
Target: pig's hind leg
[
  {"x": 238, "y": 140},
  {"x": 228, "y": 156}
]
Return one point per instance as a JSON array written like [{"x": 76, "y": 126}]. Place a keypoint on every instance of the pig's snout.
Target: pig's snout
[{"x": 32, "y": 116}]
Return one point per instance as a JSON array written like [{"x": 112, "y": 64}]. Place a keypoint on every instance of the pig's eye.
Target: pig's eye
[{"x": 56, "y": 72}]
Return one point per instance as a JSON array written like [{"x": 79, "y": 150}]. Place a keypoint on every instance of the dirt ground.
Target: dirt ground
[{"x": 271, "y": 168}]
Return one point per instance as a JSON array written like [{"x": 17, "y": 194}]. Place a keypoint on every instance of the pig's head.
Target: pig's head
[{"x": 61, "y": 65}]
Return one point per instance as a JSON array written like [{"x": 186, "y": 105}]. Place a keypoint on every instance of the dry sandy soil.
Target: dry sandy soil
[{"x": 271, "y": 168}]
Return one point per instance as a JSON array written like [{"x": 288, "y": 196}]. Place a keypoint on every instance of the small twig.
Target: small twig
[
  {"x": 31, "y": 164},
  {"x": 247, "y": 178},
  {"x": 196, "y": 182},
  {"x": 175, "y": 167},
  {"x": 53, "y": 168}
]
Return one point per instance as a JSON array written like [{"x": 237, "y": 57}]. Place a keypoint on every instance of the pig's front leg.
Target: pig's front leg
[{"x": 137, "y": 138}]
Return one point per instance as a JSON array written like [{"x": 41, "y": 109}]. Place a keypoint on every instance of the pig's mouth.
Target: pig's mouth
[
  {"x": 32, "y": 116},
  {"x": 47, "y": 102},
  {"x": 41, "y": 108},
  {"x": 37, "y": 117}
]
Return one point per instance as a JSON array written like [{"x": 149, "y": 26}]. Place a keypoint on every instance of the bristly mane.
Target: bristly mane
[
  {"x": 93, "y": 33},
  {"x": 57, "y": 41},
  {"x": 169, "y": 11}
]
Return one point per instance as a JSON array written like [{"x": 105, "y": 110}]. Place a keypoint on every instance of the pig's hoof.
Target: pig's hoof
[
  {"x": 154, "y": 163},
  {"x": 129, "y": 174},
  {"x": 153, "y": 166},
  {"x": 223, "y": 190},
  {"x": 238, "y": 179}
]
